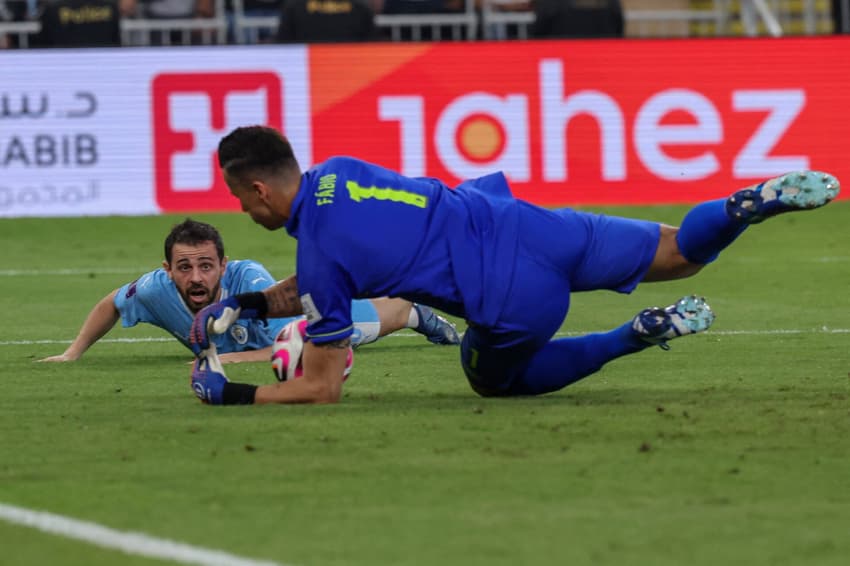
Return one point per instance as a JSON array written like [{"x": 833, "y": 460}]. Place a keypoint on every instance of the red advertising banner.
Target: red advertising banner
[{"x": 589, "y": 122}]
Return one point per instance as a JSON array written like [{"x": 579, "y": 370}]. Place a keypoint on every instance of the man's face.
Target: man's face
[
  {"x": 257, "y": 200},
  {"x": 196, "y": 272}
]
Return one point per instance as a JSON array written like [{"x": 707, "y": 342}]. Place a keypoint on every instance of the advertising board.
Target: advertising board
[{"x": 134, "y": 131}]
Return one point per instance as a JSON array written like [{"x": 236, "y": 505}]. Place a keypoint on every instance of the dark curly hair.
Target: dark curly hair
[{"x": 192, "y": 232}]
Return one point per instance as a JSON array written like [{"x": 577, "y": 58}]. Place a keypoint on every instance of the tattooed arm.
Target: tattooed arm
[{"x": 283, "y": 299}]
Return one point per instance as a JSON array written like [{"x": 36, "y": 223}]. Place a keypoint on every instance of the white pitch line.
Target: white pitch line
[
  {"x": 779, "y": 331},
  {"x": 86, "y": 271},
  {"x": 144, "y": 340},
  {"x": 106, "y": 340},
  {"x": 75, "y": 271},
  {"x": 127, "y": 542}
]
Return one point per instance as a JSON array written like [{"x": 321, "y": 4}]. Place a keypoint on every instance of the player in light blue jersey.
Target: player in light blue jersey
[
  {"x": 474, "y": 251},
  {"x": 196, "y": 273}
]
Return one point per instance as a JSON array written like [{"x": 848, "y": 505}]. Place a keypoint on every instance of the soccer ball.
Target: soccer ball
[{"x": 287, "y": 348}]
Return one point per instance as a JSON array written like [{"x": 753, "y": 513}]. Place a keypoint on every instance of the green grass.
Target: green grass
[{"x": 732, "y": 448}]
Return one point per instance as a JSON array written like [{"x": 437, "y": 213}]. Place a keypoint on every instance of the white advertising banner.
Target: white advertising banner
[{"x": 121, "y": 131}]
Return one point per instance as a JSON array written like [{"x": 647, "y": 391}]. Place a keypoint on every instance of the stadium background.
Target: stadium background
[{"x": 729, "y": 449}]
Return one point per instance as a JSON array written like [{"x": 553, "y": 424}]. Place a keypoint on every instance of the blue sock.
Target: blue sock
[
  {"x": 567, "y": 360},
  {"x": 706, "y": 230}
]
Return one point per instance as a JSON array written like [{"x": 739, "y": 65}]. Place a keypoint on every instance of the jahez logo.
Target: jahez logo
[{"x": 191, "y": 112}]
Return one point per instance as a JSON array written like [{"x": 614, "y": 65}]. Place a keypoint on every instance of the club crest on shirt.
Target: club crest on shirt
[
  {"x": 309, "y": 307},
  {"x": 239, "y": 333}
]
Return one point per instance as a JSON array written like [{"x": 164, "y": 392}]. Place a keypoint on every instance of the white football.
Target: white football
[{"x": 287, "y": 349}]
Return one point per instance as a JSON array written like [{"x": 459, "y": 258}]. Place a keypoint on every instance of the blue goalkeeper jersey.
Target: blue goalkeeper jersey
[
  {"x": 153, "y": 298},
  {"x": 367, "y": 231}
]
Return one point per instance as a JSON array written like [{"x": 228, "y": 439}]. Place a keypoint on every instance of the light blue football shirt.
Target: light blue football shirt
[{"x": 153, "y": 298}]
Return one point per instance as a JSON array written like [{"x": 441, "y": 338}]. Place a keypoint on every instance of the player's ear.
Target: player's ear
[
  {"x": 167, "y": 267},
  {"x": 262, "y": 190},
  {"x": 224, "y": 262}
]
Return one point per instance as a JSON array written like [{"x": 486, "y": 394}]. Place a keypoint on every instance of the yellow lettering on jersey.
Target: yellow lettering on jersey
[
  {"x": 325, "y": 191},
  {"x": 358, "y": 193}
]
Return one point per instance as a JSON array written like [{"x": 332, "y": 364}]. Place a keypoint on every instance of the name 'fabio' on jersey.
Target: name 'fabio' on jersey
[{"x": 366, "y": 231}]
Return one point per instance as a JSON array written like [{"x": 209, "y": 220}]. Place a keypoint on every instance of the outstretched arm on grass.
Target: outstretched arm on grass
[{"x": 99, "y": 321}]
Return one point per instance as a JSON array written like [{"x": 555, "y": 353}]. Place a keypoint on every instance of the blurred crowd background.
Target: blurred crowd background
[{"x": 92, "y": 23}]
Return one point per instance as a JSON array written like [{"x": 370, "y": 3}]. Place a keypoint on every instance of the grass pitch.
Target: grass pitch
[{"x": 732, "y": 448}]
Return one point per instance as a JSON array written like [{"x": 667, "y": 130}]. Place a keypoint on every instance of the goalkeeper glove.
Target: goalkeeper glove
[
  {"x": 208, "y": 377},
  {"x": 211, "y": 386},
  {"x": 217, "y": 317}
]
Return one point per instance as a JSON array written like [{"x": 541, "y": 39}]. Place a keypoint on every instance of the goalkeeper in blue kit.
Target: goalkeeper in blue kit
[{"x": 474, "y": 251}]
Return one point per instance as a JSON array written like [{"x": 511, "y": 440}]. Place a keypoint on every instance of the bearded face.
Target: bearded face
[{"x": 196, "y": 271}]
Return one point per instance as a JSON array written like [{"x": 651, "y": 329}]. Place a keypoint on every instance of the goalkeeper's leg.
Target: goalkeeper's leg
[
  {"x": 710, "y": 227},
  {"x": 499, "y": 364}
]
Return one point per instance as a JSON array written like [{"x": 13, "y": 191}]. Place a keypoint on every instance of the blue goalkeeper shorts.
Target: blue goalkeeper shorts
[{"x": 558, "y": 254}]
